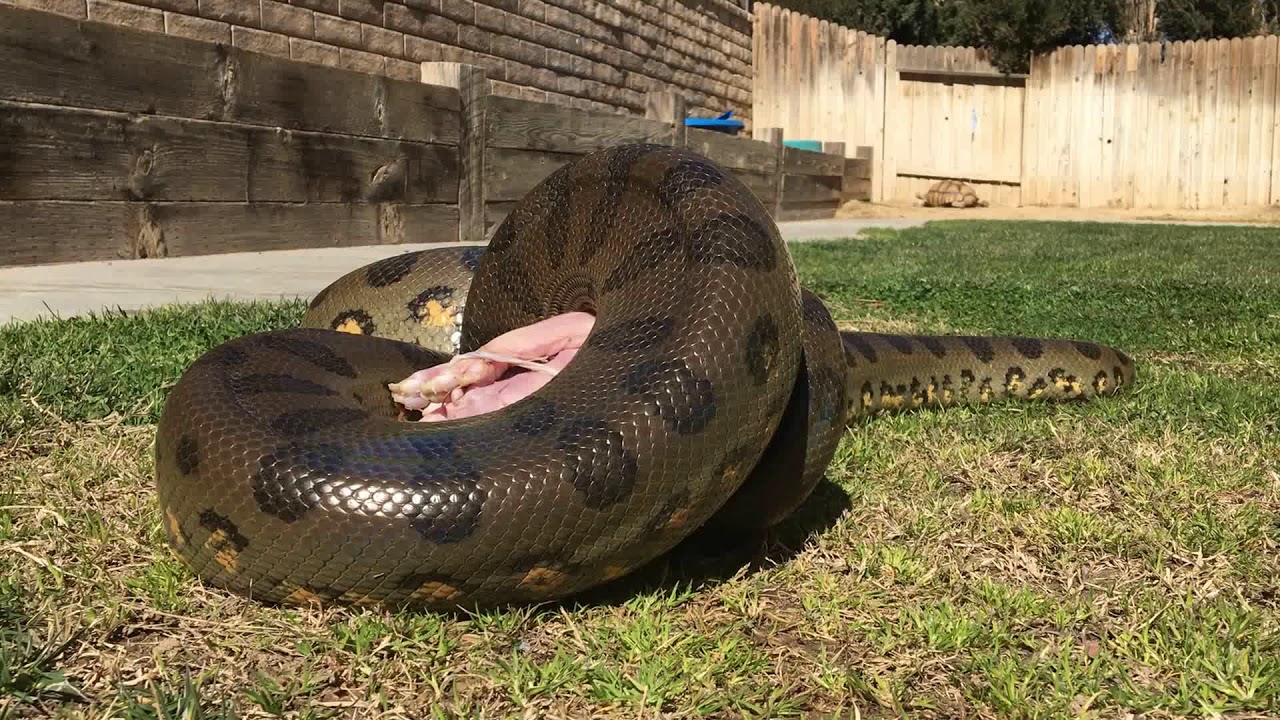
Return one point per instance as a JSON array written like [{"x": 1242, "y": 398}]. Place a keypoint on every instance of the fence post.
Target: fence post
[
  {"x": 833, "y": 148},
  {"x": 668, "y": 107},
  {"x": 773, "y": 136},
  {"x": 473, "y": 92}
]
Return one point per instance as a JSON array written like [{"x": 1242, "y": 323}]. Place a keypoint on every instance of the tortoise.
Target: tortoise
[{"x": 953, "y": 193}]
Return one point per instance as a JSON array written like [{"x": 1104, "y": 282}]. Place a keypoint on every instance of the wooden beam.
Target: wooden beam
[
  {"x": 668, "y": 107},
  {"x": 972, "y": 77},
  {"x": 40, "y": 232},
  {"x": 773, "y": 136},
  {"x": 473, "y": 92},
  {"x": 529, "y": 125}
]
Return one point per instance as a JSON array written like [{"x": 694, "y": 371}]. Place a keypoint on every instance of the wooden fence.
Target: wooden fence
[
  {"x": 1180, "y": 125},
  {"x": 117, "y": 143}
]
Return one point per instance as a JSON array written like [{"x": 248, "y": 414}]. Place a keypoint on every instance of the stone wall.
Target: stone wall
[{"x": 589, "y": 54}]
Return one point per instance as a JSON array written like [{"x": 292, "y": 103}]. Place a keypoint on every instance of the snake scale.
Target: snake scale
[{"x": 711, "y": 393}]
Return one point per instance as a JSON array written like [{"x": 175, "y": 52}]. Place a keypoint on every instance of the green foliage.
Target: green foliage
[
  {"x": 1209, "y": 19},
  {"x": 1011, "y": 29}
]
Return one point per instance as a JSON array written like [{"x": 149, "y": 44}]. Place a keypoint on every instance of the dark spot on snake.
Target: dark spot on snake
[
  {"x": 312, "y": 352},
  {"x": 665, "y": 513},
  {"x": 1012, "y": 375},
  {"x": 228, "y": 356},
  {"x": 539, "y": 418},
  {"x": 285, "y": 484},
  {"x": 980, "y": 347},
  {"x": 859, "y": 343},
  {"x": 868, "y": 390},
  {"x": 899, "y": 343},
  {"x": 187, "y": 455},
  {"x": 427, "y": 446},
  {"x": 470, "y": 258},
  {"x": 213, "y": 522},
  {"x": 1118, "y": 372},
  {"x": 390, "y": 270},
  {"x": 451, "y": 509},
  {"x": 1029, "y": 348},
  {"x": 617, "y": 182},
  {"x": 347, "y": 320},
  {"x": 1039, "y": 385},
  {"x": 763, "y": 347},
  {"x": 647, "y": 254},
  {"x": 633, "y": 335},
  {"x": 732, "y": 466},
  {"x": 735, "y": 239},
  {"x": 933, "y": 345},
  {"x": 686, "y": 176},
  {"x": 1088, "y": 349},
  {"x": 279, "y": 383},
  {"x": 515, "y": 283},
  {"x": 503, "y": 238},
  {"x": 420, "y": 306},
  {"x": 596, "y": 463},
  {"x": 674, "y": 393},
  {"x": 815, "y": 312},
  {"x": 308, "y": 420},
  {"x": 1123, "y": 358}
]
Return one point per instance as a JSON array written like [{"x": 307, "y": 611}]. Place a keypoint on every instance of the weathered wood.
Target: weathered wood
[
  {"x": 52, "y": 232},
  {"x": 835, "y": 147},
  {"x": 796, "y": 161},
  {"x": 302, "y": 96},
  {"x": 57, "y": 153},
  {"x": 51, "y": 59},
  {"x": 969, "y": 77},
  {"x": 672, "y": 109},
  {"x": 473, "y": 92},
  {"x": 812, "y": 188},
  {"x": 510, "y": 173},
  {"x": 734, "y": 152},
  {"x": 774, "y": 137},
  {"x": 538, "y": 126}
]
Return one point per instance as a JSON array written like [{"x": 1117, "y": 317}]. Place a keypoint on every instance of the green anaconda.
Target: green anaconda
[{"x": 711, "y": 392}]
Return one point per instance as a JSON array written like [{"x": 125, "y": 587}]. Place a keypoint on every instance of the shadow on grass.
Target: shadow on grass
[{"x": 702, "y": 561}]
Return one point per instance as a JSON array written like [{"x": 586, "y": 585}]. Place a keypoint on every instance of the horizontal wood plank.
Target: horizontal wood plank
[
  {"x": 796, "y": 161},
  {"x": 52, "y": 232},
  {"x": 51, "y": 59},
  {"x": 523, "y": 124},
  {"x": 811, "y": 188},
  {"x": 58, "y": 153},
  {"x": 302, "y": 96},
  {"x": 941, "y": 174},
  {"x": 734, "y": 152},
  {"x": 511, "y": 173}
]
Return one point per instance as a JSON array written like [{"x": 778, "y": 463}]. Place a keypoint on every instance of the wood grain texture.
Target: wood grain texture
[
  {"x": 56, "y": 153},
  {"x": 51, "y": 232},
  {"x": 515, "y": 123}
]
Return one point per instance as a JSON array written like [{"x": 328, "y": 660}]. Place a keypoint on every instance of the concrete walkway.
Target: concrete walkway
[{"x": 69, "y": 289}]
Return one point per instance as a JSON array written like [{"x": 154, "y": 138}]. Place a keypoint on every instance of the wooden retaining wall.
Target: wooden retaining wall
[
  {"x": 588, "y": 54},
  {"x": 117, "y": 143}
]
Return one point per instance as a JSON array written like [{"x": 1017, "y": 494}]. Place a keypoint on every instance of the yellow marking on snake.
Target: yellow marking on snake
[{"x": 350, "y": 326}]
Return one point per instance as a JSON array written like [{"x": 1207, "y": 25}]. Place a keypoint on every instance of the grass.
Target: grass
[{"x": 1113, "y": 559}]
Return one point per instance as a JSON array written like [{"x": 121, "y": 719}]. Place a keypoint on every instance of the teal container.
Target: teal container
[{"x": 810, "y": 145}]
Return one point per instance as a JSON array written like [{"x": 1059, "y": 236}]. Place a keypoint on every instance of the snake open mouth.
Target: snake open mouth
[{"x": 503, "y": 371}]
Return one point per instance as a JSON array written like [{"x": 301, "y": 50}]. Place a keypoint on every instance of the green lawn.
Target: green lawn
[{"x": 1084, "y": 560}]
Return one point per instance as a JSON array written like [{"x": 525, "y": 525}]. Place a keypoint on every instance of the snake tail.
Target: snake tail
[{"x": 890, "y": 372}]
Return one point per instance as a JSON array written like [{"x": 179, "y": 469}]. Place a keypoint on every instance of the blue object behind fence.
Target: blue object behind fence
[{"x": 722, "y": 123}]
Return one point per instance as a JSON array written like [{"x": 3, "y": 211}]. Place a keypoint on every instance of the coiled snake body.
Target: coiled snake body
[{"x": 711, "y": 392}]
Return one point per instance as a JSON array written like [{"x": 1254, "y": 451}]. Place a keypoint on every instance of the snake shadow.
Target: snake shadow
[{"x": 702, "y": 561}]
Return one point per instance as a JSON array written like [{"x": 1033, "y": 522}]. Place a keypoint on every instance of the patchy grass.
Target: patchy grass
[{"x": 1008, "y": 561}]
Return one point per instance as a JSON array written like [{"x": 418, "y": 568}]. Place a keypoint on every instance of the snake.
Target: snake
[{"x": 710, "y": 396}]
